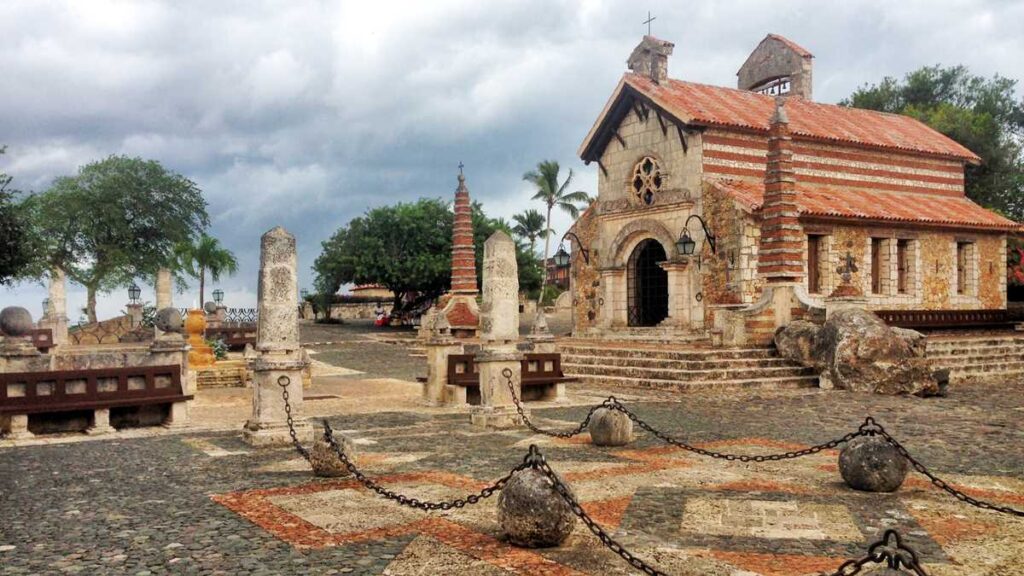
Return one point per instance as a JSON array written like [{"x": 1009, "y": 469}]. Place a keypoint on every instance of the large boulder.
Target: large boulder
[
  {"x": 795, "y": 342},
  {"x": 855, "y": 350}
]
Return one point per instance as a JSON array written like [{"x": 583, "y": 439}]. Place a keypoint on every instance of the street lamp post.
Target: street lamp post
[
  {"x": 133, "y": 293},
  {"x": 218, "y": 296}
]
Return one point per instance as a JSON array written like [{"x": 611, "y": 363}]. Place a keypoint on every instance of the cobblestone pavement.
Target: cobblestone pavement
[{"x": 206, "y": 503}]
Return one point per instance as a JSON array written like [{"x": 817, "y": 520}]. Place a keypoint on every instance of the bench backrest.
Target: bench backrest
[
  {"x": 62, "y": 391},
  {"x": 462, "y": 368},
  {"x": 943, "y": 318}
]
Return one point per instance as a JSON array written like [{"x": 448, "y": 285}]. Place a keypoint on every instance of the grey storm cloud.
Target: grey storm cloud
[{"x": 305, "y": 114}]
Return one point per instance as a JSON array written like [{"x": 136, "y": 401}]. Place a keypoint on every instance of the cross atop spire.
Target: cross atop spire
[
  {"x": 461, "y": 166},
  {"x": 648, "y": 21}
]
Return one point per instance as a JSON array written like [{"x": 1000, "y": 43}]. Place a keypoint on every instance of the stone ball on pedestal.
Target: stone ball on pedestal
[
  {"x": 168, "y": 320},
  {"x": 531, "y": 513},
  {"x": 610, "y": 428},
  {"x": 15, "y": 321},
  {"x": 210, "y": 307},
  {"x": 325, "y": 461},
  {"x": 872, "y": 464}
]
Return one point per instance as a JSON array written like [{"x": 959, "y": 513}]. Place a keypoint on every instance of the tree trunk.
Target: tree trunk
[
  {"x": 202, "y": 286},
  {"x": 90, "y": 304},
  {"x": 544, "y": 262}
]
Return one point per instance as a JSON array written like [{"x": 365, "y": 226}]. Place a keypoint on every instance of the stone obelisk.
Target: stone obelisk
[
  {"x": 279, "y": 357},
  {"x": 499, "y": 334}
]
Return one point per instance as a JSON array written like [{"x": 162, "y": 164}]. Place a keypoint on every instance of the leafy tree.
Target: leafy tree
[
  {"x": 982, "y": 114},
  {"x": 407, "y": 248},
  {"x": 530, "y": 225},
  {"x": 117, "y": 219},
  {"x": 15, "y": 252},
  {"x": 530, "y": 277},
  {"x": 205, "y": 255},
  {"x": 553, "y": 194}
]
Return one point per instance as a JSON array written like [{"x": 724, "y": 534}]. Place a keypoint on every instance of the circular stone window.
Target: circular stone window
[{"x": 647, "y": 179}]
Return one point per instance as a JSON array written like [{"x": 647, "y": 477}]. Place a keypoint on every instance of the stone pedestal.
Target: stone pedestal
[
  {"x": 438, "y": 351},
  {"x": 100, "y": 422},
  {"x": 835, "y": 303},
  {"x": 57, "y": 315},
  {"x": 177, "y": 418},
  {"x": 135, "y": 313},
  {"x": 268, "y": 424},
  {"x": 15, "y": 427},
  {"x": 497, "y": 409}
]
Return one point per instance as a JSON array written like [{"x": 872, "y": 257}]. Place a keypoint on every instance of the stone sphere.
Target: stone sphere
[
  {"x": 871, "y": 464},
  {"x": 15, "y": 321},
  {"x": 210, "y": 307},
  {"x": 168, "y": 320},
  {"x": 610, "y": 428},
  {"x": 325, "y": 461},
  {"x": 531, "y": 514}
]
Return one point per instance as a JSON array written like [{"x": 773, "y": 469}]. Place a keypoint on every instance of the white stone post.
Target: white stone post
[
  {"x": 57, "y": 314},
  {"x": 163, "y": 289},
  {"x": 499, "y": 332},
  {"x": 279, "y": 357}
]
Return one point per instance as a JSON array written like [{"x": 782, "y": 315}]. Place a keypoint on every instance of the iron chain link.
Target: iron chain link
[
  {"x": 608, "y": 403},
  {"x": 284, "y": 382}
]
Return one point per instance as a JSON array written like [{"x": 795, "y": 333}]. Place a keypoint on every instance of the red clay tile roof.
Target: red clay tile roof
[
  {"x": 707, "y": 105},
  {"x": 793, "y": 45},
  {"x": 916, "y": 208}
]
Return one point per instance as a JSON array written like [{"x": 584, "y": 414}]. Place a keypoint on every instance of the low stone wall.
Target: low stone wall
[{"x": 356, "y": 310}]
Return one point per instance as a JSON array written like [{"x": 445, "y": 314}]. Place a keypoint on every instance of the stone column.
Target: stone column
[
  {"x": 499, "y": 332},
  {"x": 57, "y": 315},
  {"x": 439, "y": 345},
  {"x": 679, "y": 296},
  {"x": 279, "y": 357},
  {"x": 163, "y": 289}
]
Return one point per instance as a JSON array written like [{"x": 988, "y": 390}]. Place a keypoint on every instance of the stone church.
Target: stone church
[{"x": 733, "y": 210}]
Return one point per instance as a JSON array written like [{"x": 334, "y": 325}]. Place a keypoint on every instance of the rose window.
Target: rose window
[{"x": 646, "y": 180}]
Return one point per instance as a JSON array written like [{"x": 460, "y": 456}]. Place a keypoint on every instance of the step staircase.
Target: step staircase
[
  {"x": 990, "y": 358},
  {"x": 682, "y": 365}
]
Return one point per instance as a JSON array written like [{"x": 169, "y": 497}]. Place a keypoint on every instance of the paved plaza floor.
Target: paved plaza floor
[{"x": 203, "y": 502}]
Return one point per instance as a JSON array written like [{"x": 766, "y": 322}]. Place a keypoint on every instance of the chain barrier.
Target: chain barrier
[
  {"x": 890, "y": 550},
  {"x": 942, "y": 484},
  {"x": 284, "y": 382},
  {"x": 415, "y": 502},
  {"x": 537, "y": 461},
  {"x": 610, "y": 402}
]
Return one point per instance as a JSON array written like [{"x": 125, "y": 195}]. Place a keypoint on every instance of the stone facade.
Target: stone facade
[{"x": 656, "y": 170}]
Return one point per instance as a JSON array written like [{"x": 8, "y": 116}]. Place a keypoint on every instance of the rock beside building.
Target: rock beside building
[{"x": 855, "y": 350}]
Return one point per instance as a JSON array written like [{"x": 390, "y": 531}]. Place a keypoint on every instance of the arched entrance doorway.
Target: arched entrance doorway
[{"x": 647, "y": 284}]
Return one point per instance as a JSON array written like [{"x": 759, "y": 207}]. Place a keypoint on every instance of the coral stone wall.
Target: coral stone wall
[{"x": 585, "y": 281}]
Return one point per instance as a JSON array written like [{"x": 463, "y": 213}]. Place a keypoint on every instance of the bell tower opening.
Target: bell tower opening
[{"x": 647, "y": 284}]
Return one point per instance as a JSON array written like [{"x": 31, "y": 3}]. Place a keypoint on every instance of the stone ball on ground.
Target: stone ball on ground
[
  {"x": 325, "y": 461},
  {"x": 210, "y": 307},
  {"x": 610, "y": 428},
  {"x": 15, "y": 321},
  {"x": 531, "y": 513},
  {"x": 168, "y": 320},
  {"x": 872, "y": 464}
]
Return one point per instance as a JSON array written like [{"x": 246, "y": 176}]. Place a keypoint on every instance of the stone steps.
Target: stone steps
[
  {"x": 684, "y": 375},
  {"x": 682, "y": 353},
  {"x": 708, "y": 385},
  {"x": 979, "y": 359},
  {"x": 669, "y": 363}
]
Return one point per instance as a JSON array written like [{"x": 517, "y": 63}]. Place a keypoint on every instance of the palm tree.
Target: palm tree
[
  {"x": 205, "y": 255},
  {"x": 549, "y": 191},
  {"x": 530, "y": 225}
]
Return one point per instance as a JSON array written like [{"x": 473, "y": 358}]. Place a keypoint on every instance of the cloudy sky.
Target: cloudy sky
[{"x": 305, "y": 114}]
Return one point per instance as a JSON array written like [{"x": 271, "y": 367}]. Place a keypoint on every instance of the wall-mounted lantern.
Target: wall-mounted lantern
[
  {"x": 562, "y": 257},
  {"x": 686, "y": 245}
]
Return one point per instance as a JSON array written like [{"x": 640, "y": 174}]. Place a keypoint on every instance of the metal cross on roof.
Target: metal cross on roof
[
  {"x": 648, "y": 21},
  {"x": 460, "y": 167}
]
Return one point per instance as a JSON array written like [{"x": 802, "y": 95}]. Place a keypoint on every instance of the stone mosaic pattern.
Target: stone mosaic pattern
[{"x": 209, "y": 504}]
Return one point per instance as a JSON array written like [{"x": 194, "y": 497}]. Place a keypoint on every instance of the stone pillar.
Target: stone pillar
[
  {"x": 439, "y": 345},
  {"x": 279, "y": 356},
  {"x": 17, "y": 352},
  {"x": 163, "y": 289},
  {"x": 780, "y": 256},
  {"x": 135, "y": 313},
  {"x": 57, "y": 314},
  {"x": 499, "y": 332},
  {"x": 100, "y": 422},
  {"x": 679, "y": 296}
]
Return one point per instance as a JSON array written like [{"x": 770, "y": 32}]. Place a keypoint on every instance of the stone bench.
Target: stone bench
[
  {"x": 97, "y": 390},
  {"x": 542, "y": 378}
]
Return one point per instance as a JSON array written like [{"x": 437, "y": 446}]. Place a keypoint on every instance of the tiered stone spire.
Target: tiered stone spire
[
  {"x": 463, "y": 254},
  {"x": 780, "y": 255}
]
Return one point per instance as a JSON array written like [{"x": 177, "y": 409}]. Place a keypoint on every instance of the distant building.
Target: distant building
[
  {"x": 373, "y": 291},
  {"x": 557, "y": 276}
]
